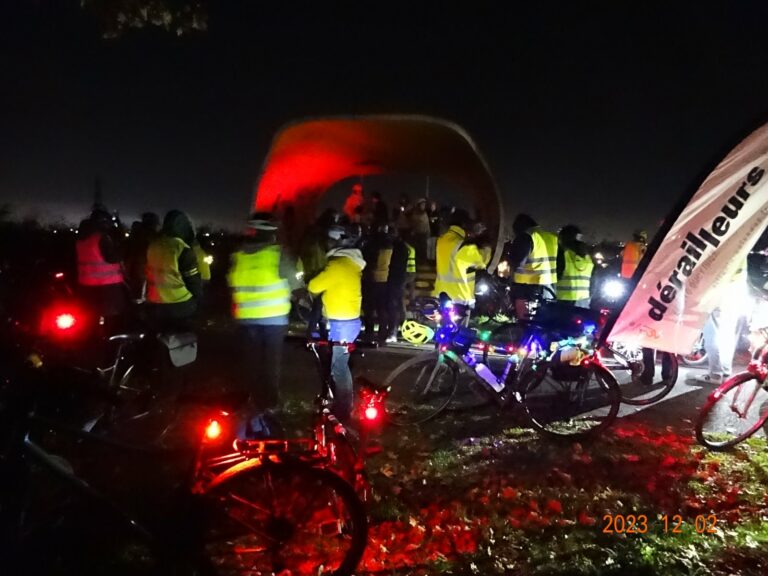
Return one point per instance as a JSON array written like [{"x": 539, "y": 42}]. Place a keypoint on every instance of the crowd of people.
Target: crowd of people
[{"x": 357, "y": 265}]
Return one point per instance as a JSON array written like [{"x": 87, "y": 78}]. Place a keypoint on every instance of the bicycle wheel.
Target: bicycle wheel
[
  {"x": 285, "y": 517},
  {"x": 698, "y": 355},
  {"x": 628, "y": 368},
  {"x": 736, "y": 410},
  {"x": 421, "y": 388},
  {"x": 570, "y": 401}
]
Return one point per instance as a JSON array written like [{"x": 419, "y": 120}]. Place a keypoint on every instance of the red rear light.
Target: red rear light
[
  {"x": 213, "y": 430},
  {"x": 371, "y": 413},
  {"x": 65, "y": 321}
]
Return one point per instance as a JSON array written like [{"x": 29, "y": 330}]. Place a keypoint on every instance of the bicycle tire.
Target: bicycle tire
[
  {"x": 649, "y": 394},
  {"x": 233, "y": 523},
  {"x": 409, "y": 410},
  {"x": 694, "y": 359},
  {"x": 607, "y": 382},
  {"x": 714, "y": 400}
]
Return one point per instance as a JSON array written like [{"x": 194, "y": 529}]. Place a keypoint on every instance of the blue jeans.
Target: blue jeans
[{"x": 342, "y": 331}]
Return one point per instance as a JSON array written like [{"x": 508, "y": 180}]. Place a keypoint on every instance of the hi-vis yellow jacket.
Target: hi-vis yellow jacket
[
  {"x": 540, "y": 268},
  {"x": 258, "y": 291},
  {"x": 453, "y": 259},
  {"x": 574, "y": 283}
]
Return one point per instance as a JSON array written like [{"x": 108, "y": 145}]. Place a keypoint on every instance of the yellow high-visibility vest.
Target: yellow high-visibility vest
[
  {"x": 540, "y": 268},
  {"x": 453, "y": 261},
  {"x": 165, "y": 284},
  {"x": 574, "y": 283},
  {"x": 410, "y": 267},
  {"x": 258, "y": 291}
]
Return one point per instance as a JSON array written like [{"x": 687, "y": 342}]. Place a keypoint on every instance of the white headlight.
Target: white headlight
[
  {"x": 614, "y": 289},
  {"x": 482, "y": 288},
  {"x": 208, "y": 259}
]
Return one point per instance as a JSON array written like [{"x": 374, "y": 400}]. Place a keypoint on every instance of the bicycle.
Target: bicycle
[
  {"x": 738, "y": 408},
  {"x": 550, "y": 372},
  {"x": 266, "y": 507},
  {"x": 628, "y": 366},
  {"x": 139, "y": 385},
  {"x": 329, "y": 450}
]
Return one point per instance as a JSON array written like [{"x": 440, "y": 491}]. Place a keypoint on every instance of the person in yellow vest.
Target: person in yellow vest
[
  {"x": 261, "y": 278},
  {"x": 174, "y": 286},
  {"x": 457, "y": 260},
  {"x": 633, "y": 252},
  {"x": 574, "y": 268},
  {"x": 532, "y": 259},
  {"x": 340, "y": 285},
  {"x": 100, "y": 276}
]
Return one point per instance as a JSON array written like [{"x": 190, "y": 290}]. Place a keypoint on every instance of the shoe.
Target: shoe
[
  {"x": 711, "y": 379},
  {"x": 391, "y": 340}
]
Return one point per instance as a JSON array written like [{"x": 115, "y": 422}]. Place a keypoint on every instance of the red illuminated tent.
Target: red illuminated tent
[{"x": 308, "y": 157}]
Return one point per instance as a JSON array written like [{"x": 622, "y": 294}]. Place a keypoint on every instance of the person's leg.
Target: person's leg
[
  {"x": 272, "y": 357},
  {"x": 666, "y": 365},
  {"x": 369, "y": 308},
  {"x": 728, "y": 325},
  {"x": 649, "y": 366},
  {"x": 342, "y": 383},
  {"x": 396, "y": 315},
  {"x": 382, "y": 310},
  {"x": 712, "y": 344}
]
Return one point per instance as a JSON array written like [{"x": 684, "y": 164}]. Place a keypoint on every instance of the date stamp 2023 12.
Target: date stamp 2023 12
[{"x": 672, "y": 524}]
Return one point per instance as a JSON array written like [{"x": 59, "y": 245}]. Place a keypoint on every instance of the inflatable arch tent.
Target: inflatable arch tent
[{"x": 307, "y": 157}]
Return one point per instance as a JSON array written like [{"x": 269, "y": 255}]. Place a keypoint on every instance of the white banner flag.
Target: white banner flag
[{"x": 688, "y": 275}]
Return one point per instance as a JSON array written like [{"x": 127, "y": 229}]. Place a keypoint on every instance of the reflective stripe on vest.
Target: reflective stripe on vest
[
  {"x": 257, "y": 289},
  {"x": 92, "y": 269},
  {"x": 574, "y": 283},
  {"x": 630, "y": 258},
  {"x": 165, "y": 284},
  {"x": 410, "y": 267},
  {"x": 540, "y": 268}
]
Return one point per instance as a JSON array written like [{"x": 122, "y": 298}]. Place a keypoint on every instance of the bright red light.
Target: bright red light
[
  {"x": 371, "y": 413},
  {"x": 59, "y": 275},
  {"x": 213, "y": 430},
  {"x": 65, "y": 321}
]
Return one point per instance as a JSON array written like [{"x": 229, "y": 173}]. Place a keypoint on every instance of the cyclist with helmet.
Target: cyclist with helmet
[
  {"x": 261, "y": 277},
  {"x": 339, "y": 283}
]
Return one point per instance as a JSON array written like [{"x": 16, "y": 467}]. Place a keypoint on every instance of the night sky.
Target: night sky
[{"x": 598, "y": 114}]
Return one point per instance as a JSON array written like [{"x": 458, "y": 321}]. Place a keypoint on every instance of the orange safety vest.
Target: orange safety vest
[
  {"x": 630, "y": 258},
  {"x": 92, "y": 269}
]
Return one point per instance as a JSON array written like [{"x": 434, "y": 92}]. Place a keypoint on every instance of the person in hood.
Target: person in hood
[
  {"x": 340, "y": 285},
  {"x": 261, "y": 278},
  {"x": 174, "y": 286}
]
